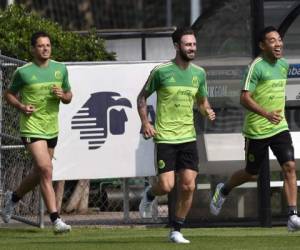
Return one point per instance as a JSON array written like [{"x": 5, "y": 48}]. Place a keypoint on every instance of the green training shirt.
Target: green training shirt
[
  {"x": 177, "y": 91},
  {"x": 266, "y": 82},
  {"x": 34, "y": 85}
]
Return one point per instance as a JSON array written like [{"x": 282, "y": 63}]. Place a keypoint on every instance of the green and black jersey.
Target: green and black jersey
[
  {"x": 34, "y": 85},
  {"x": 177, "y": 91},
  {"x": 266, "y": 81}
]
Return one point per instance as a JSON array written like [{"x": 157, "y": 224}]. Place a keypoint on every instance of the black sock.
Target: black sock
[
  {"x": 150, "y": 196},
  {"x": 14, "y": 197},
  {"x": 225, "y": 190},
  {"x": 292, "y": 210},
  {"x": 54, "y": 216},
  {"x": 177, "y": 223}
]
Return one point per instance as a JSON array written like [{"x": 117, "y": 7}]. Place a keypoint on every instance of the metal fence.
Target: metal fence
[{"x": 105, "y": 201}]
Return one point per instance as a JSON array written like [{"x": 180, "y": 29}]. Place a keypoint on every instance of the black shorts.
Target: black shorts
[
  {"x": 173, "y": 157},
  {"x": 51, "y": 143},
  {"x": 256, "y": 150}
]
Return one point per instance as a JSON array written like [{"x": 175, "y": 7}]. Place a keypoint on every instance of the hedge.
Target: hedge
[{"x": 17, "y": 25}]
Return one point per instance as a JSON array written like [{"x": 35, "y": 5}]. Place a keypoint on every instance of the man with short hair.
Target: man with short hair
[
  {"x": 263, "y": 95},
  {"x": 36, "y": 90},
  {"x": 179, "y": 84}
]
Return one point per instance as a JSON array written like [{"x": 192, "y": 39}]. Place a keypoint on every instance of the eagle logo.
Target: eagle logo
[{"x": 96, "y": 118}]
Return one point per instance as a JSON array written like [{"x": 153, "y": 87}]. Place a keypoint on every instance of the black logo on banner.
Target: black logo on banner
[{"x": 96, "y": 118}]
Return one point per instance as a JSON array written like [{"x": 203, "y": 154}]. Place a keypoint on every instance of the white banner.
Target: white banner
[{"x": 100, "y": 129}]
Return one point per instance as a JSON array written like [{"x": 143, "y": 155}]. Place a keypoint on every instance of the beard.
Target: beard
[{"x": 185, "y": 57}]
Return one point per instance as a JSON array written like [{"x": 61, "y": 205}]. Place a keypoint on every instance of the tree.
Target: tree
[{"x": 17, "y": 26}]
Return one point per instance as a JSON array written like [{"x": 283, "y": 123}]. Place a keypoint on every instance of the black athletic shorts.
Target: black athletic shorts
[
  {"x": 173, "y": 157},
  {"x": 256, "y": 150},
  {"x": 51, "y": 143}
]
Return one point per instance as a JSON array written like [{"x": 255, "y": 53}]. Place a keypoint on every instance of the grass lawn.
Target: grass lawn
[{"x": 87, "y": 238}]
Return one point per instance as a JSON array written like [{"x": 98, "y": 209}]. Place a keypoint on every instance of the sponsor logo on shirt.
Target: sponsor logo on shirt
[
  {"x": 161, "y": 164},
  {"x": 58, "y": 75},
  {"x": 171, "y": 79},
  {"x": 185, "y": 92},
  {"x": 195, "y": 81},
  {"x": 33, "y": 78}
]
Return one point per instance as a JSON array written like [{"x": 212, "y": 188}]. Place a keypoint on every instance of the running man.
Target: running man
[
  {"x": 265, "y": 125},
  {"x": 36, "y": 91},
  {"x": 179, "y": 84}
]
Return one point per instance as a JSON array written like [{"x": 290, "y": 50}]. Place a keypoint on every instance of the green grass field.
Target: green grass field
[{"x": 149, "y": 239}]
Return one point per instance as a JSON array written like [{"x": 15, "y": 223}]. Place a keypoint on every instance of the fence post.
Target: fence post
[
  {"x": 41, "y": 211},
  {"x": 125, "y": 200},
  {"x": 264, "y": 194},
  {"x": 1, "y": 188},
  {"x": 172, "y": 198}
]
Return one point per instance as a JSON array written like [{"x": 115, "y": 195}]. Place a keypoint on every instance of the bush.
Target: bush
[{"x": 17, "y": 26}]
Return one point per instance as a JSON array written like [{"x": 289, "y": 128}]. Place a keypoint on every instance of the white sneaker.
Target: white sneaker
[
  {"x": 217, "y": 200},
  {"x": 293, "y": 223},
  {"x": 60, "y": 227},
  {"x": 145, "y": 207},
  {"x": 177, "y": 237},
  {"x": 8, "y": 208}
]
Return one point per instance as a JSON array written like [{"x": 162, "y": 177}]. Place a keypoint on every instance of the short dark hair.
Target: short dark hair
[
  {"x": 265, "y": 31},
  {"x": 180, "y": 32},
  {"x": 37, "y": 35}
]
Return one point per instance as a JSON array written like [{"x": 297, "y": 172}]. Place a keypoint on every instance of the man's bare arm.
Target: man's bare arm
[
  {"x": 147, "y": 129},
  {"x": 247, "y": 101},
  {"x": 13, "y": 100},
  {"x": 205, "y": 108}
]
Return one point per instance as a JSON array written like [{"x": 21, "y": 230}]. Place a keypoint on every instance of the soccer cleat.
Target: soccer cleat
[
  {"x": 60, "y": 227},
  {"x": 145, "y": 207},
  {"x": 217, "y": 200},
  {"x": 293, "y": 223},
  {"x": 177, "y": 237},
  {"x": 8, "y": 208}
]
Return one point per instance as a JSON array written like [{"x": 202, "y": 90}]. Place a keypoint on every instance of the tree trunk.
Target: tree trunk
[
  {"x": 59, "y": 187},
  {"x": 79, "y": 198},
  {"x": 84, "y": 202}
]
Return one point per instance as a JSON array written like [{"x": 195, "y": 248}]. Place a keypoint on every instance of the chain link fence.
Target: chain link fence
[
  {"x": 15, "y": 161},
  {"x": 105, "y": 201}
]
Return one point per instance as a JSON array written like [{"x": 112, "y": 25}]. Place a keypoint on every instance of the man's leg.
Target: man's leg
[
  {"x": 222, "y": 190},
  {"x": 290, "y": 189},
  {"x": 42, "y": 156},
  {"x": 11, "y": 198},
  {"x": 186, "y": 187},
  {"x": 282, "y": 147},
  {"x": 165, "y": 162},
  {"x": 28, "y": 184},
  {"x": 31, "y": 180},
  {"x": 185, "y": 192},
  {"x": 238, "y": 178},
  {"x": 162, "y": 186},
  {"x": 42, "y": 174},
  {"x": 255, "y": 153},
  {"x": 43, "y": 167},
  {"x": 290, "y": 182}
]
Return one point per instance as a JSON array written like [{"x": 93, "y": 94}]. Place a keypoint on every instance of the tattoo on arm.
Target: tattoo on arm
[{"x": 141, "y": 100}]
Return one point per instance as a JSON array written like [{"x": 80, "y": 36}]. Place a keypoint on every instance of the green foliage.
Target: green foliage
[{"x": 17, "y": 26}]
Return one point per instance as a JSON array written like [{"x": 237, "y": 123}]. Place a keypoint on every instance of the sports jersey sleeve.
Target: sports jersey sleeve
[
  {"x": 250, "y": 78},
  {"x": 16, "y": 82},
  {"x": 202, "y": 90},
  {"x": 153, "y": 81},
  {"x": 286, "y": 66},
  {"x": 65, "y": 84}
]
